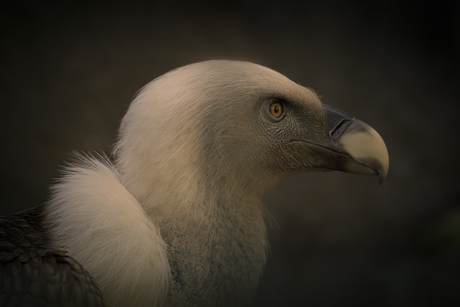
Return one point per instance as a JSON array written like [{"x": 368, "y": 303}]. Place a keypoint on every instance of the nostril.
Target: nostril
[
  {"x": 338, "y": 130},
  {"x": 336, "y": 122}
]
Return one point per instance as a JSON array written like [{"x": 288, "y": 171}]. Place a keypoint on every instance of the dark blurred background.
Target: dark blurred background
[{"x": 69, "y": 71}]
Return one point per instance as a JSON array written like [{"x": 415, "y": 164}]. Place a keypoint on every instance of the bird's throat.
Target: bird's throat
[{"x": 223, "y": 249}]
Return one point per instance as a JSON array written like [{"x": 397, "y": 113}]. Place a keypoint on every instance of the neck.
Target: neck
[
  {"x": 212, "y": 223},
  {"x": 222, "y": 246}
]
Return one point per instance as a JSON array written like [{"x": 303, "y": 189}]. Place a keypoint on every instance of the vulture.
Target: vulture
[{"x": 175, "y": 218}]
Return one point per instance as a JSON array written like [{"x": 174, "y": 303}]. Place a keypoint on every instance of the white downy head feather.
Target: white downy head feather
[{"x": 106, "y": 215}]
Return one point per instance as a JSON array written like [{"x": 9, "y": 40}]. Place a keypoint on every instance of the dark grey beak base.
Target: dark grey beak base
[{"x": 352, "y": 146}]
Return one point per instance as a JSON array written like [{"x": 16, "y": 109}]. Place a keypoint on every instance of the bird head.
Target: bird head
[{"x": 229, "y": 127}]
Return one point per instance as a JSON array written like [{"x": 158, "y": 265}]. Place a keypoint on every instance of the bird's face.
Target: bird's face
[
  {"x": 277, "y": 128},
  {"x": 236, "y": 126}
]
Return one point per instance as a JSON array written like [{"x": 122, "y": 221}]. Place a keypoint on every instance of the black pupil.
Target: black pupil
[{"x": 277, "y": 109}]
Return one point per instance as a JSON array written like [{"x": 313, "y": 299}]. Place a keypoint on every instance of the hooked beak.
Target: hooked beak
[{"x": 351, "y": 146}]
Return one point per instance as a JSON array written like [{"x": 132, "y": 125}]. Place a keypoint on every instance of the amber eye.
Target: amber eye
[{"x": 276, "y": 109}]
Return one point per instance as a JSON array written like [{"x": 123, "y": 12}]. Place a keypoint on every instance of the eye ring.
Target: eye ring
[{"x": 276, "y": 109}]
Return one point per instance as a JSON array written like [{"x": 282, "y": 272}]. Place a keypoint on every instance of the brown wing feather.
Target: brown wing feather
[{"x": 32, "y": 274}]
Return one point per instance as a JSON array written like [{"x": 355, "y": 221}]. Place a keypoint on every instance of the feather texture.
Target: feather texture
[{"x": 102, "y": 225}]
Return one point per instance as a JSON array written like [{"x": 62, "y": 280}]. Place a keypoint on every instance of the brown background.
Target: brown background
[{"x": 69, "y": 71}]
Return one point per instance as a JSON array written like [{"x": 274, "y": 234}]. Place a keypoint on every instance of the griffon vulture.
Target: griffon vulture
[{"x": 176, "y": 219}]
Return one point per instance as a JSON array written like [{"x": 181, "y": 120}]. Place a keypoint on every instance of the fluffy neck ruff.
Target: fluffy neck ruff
[{"x": 100, "y": 224}]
